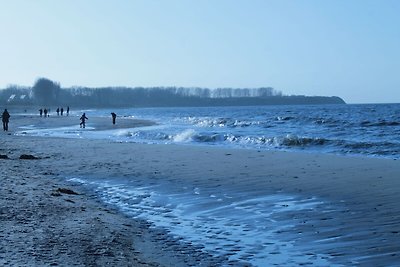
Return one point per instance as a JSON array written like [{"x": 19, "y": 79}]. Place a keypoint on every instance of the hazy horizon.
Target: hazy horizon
[{"x": 348, "y": 49}]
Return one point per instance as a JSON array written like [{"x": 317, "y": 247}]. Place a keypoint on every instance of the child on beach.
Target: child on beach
[{"x": 83, "y": 121}]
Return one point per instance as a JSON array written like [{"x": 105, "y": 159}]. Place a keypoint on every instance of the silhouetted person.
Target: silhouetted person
[
  {"x": 5, "y": 118},
  {"x": 62, "y": 111},
  {"x": 40, "y": 112},
  {"x": 83, "y": 120},
  {"x": 45, "y": 112},
  {"x": 58, "y": 112},
  {"x": 114, "y": 116},
  {"x": 68, "y": 111}
]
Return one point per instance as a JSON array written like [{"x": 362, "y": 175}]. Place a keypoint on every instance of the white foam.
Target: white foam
[
  {"x": 185, "y": 136},
  {"x": 240, "y": 226},
  {"x": 124, "y": 133}
]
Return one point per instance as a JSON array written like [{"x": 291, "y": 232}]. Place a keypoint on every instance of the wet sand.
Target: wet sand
[{"x": 43, "y": 227}]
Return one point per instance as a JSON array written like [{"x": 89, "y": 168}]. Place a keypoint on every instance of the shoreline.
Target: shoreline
[
  {"x": 364, "y": 189},
  {"x": 99, "y": 127},
  {"x": 43, "y": 225}
]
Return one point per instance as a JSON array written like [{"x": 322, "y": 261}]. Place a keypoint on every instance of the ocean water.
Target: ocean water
[
  {"x": 245, "y": 227},
  {"x": 367, "y": 130},
  {"x": 371, "y": 130}
]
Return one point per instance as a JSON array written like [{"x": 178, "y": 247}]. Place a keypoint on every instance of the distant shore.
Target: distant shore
[{"x": 42, "y": 225}]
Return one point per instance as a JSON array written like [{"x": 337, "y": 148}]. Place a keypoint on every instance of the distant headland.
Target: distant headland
[{"x": 50, "y": 93}]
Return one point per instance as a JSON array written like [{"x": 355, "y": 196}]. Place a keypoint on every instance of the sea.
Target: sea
[
  {"x": 240, "y": 226},
  {"x": 351, "y": 130}
]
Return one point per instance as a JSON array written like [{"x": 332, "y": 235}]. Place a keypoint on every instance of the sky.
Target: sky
[{"x": 346, "y": 48}]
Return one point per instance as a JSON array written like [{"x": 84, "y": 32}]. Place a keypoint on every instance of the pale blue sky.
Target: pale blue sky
[{"x": 349, "y": 48}]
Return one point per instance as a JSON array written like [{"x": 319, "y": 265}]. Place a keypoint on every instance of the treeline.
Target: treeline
[{"x": 47, "y": 92}]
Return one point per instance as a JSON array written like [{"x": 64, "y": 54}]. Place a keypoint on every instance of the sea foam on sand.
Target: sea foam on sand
[{"x": 237, "y": 225}]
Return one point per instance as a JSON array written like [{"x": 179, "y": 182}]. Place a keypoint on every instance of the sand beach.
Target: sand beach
[{"x": 355, "y": 221}]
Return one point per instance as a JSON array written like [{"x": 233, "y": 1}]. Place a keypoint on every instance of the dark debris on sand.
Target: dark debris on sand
[{"x": 27, "y": 156}]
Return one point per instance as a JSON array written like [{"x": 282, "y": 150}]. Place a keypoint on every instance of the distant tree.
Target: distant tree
[
  {"x": 45, "y": 91},
  {"x": 244, "y": 92},
  {"x": 265, "y": 91},
  {"x": 223, "y": 92}
]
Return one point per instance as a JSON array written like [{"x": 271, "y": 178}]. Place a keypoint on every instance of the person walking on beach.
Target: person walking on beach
[
  {"x": 83, "y": 120},
  {"x": 45, "y": 112},
  {"x": 62, "y": 111},
  {"x": 58, "y": 111},
  {"x": 40, "y": 112},
  {"x": 114, "y": 116},
  {"x": 5, "y": 118},
  {"x": 68, "y": 111}
]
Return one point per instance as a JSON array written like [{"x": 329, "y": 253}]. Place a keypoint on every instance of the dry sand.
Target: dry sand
[{"x": 40, "y": 226}]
